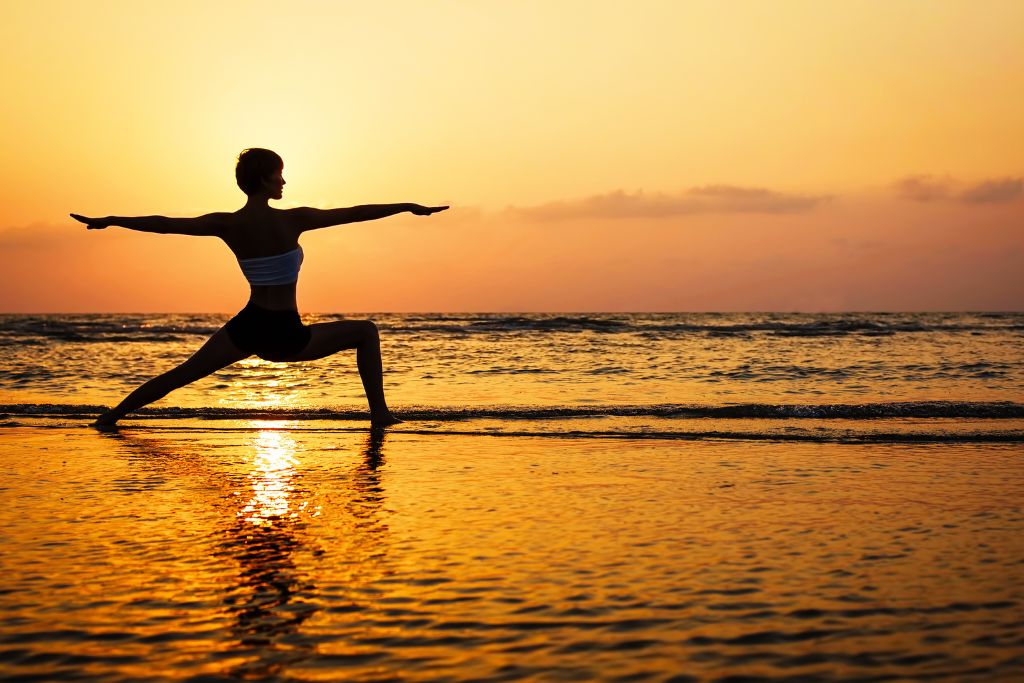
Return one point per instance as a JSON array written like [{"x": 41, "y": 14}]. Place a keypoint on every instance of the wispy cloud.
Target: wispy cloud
[
  {"x": 930, "y": 188},
  {"x": 704, "y": 199},
  {"x": 36, "y": 235},
  {"x": 992, "y": 191},
  {"x": 924, "y": 188}
]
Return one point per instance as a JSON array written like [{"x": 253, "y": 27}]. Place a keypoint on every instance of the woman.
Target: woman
[{"x": 265, "y": 241}]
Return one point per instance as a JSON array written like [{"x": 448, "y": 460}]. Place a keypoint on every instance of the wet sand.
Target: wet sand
[{"x": 258, "y": 551}]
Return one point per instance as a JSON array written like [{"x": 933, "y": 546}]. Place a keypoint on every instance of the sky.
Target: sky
[{"x": 684, "y": 155}]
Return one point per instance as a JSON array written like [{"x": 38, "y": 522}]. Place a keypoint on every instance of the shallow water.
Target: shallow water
[
  {"x": 835, "y": 377},
  {"x": 276, "y": 551},
  {"x": 719, "y": 497},
  {"x": 543, "y": 360}
]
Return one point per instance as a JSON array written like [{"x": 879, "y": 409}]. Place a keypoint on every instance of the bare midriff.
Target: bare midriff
[{"x": 274, "y": 297}]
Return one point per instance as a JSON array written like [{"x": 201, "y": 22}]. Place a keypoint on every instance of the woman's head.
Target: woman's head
[{"x": 256, "y": 166}]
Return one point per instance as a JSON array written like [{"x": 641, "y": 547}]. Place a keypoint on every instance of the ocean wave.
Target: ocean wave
[
  {"x": 827, "y": 328},
  {"x": 98, "y": 328},
  {"x": 647, "y": 328},
  {"x": 763, "y": 411},
  {"x": 94, "y": 328},
  {"x": 561, "y": 322}
]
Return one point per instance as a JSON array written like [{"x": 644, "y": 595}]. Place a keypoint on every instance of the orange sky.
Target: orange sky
[{"x": 670, "y": 155}]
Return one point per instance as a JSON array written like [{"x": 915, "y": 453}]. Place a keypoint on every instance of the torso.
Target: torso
[{"x": 263, "y": 232}]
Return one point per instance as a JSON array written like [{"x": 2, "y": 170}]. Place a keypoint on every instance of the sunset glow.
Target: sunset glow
[{"x": 597, "y": 156}]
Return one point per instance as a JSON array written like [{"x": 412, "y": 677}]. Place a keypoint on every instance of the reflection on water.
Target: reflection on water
[
  {"x": 273, "y": 468},
  {"x": 273, "y": 598},
  {"x": 264, "y": 384},
  {"x": 274, "y": 552},
  {"x": 265, "y": 535}
]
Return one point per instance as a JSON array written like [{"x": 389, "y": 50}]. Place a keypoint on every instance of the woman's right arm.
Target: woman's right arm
[{"x": 210, "y": 224}]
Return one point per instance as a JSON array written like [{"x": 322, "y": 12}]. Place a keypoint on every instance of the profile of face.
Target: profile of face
[{"x": 274, "y": 184}]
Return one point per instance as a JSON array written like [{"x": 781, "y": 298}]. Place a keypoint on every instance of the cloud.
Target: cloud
[
  {"x": 36, "y": 235},
  {"x": 930, "y": 188},
  {"x": 705, "y": 199},
  {"x": 992, "y": 191},
  {"x": 924, "y": 188}
]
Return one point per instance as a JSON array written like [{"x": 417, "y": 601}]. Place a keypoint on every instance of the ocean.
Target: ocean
[
  {"x": 572, "y": 497},
  {"x": 915, "y": 376}
]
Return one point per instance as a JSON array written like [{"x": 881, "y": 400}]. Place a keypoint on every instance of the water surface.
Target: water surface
[
  {"x": 275, "y": 553},
  {"x": 665, "y": 497}
]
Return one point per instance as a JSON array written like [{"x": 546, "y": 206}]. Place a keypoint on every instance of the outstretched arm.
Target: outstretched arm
[
  {"x": 210, "y": 224},
  {"x": 306, "y": 218}
]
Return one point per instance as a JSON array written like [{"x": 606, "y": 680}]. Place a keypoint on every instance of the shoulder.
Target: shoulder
[
  {"x": 217, "y": 221},
  {"x": 302, "y": 218},
  {"x": 300, "y": 213},
  {"x": 211, "y": 224}
]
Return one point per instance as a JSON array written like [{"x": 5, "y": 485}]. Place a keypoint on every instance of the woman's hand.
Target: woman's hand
[
  {"x": 93, "y": 223},
  {"x": 425, "y": 210}
]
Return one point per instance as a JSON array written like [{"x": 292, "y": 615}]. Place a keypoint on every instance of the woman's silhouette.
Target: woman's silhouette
[{"x": 265, "y": 242}]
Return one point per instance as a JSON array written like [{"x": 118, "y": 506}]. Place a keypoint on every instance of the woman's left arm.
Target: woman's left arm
[
  {"x": 210, "y": 224},
  {"x": 306, "y": 218}
]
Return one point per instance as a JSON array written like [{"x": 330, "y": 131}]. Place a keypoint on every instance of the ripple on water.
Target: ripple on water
[{"x": 286, "y": 555}]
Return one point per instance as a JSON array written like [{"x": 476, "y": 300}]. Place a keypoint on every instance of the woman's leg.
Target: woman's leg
[
  {"x": 329, "y": 338},
  {"x": 218, "y": 352}
]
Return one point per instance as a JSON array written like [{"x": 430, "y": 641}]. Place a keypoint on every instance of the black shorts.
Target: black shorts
[{"x": 271, "y": 335}]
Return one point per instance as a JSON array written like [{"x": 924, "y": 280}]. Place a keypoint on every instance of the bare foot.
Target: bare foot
[
  {"x": 383, "y": 421},
  {"x": 106, "y": 420}
]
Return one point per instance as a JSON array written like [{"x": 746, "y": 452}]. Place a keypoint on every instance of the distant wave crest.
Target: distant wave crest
[
  {"x": 105, "y": 328},
  {"x": 821, "y": 326},
  {"x": 768, "y": 411}
]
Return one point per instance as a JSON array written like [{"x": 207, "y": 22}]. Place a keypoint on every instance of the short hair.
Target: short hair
[{"x": 254, "y": 166}]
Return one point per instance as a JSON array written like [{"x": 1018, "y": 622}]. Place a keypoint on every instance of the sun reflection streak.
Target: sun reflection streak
[
  {"x": 266, "y": 384},
  {"x": 275, "y": 466}
]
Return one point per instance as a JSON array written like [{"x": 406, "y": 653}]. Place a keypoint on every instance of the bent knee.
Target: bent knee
[{"x": 368, "y": 329}]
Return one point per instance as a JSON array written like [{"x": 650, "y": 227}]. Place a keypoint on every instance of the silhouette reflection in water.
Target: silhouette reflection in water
[
  {"x": 267, "y": 532},
  {"x": 273, "y": 597}
]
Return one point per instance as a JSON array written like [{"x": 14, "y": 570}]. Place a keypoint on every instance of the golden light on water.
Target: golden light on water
[
  {"x": 271, "y": 385},
  {"x": 274, "y": 468},
  {"x": 440, "y": 558}
]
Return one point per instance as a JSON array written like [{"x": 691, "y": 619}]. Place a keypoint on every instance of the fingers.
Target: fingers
[
  {"x": 90, "y": 223},
  {"x": 426, "y": 210}
]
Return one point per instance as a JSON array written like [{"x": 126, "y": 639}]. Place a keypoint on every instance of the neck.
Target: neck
[{"x": 257, "y": 201}]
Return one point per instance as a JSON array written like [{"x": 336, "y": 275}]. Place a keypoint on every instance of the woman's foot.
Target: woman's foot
[
  {"x": 384, "y": 420},
  {"x": 107, "y": 419}
]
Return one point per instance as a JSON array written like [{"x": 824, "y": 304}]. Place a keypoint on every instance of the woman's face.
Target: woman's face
[{"x": 275, "y": 184}]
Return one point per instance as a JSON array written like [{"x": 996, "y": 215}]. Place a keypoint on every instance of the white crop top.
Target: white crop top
[{"x": 279, "y": 269}]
